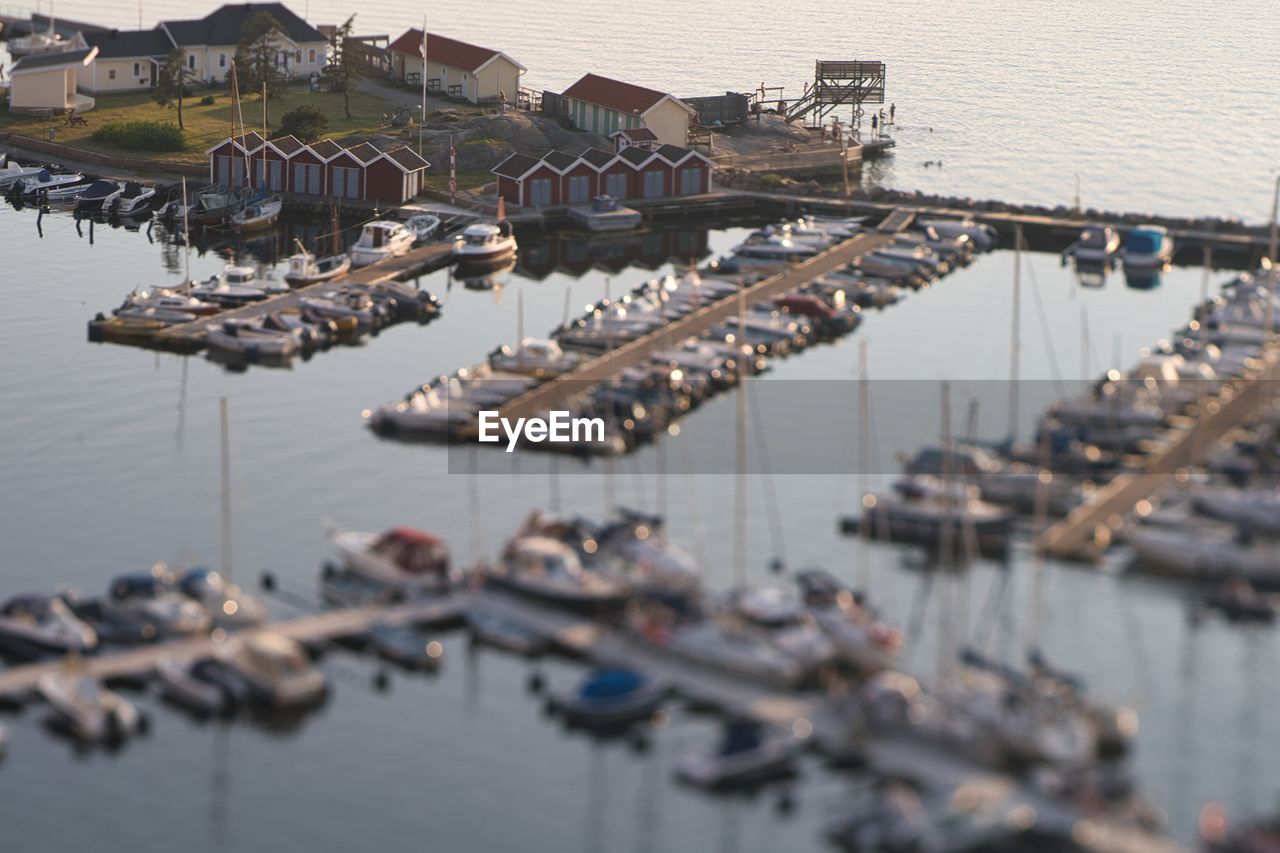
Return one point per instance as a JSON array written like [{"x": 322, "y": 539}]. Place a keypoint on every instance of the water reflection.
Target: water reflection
[{"x": 578, "y": 254}]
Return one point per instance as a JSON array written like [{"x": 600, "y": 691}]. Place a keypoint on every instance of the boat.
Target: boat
[
  {"x": 724, "y": 647},
  {"x": 984, "y": 237},
  {"x": 484, "y": 243},
  {"x": 860, "y": 638},
  {"x": 1257, "y": 509},
  {"x": 1148, "y": 247},
  {"x": 212, "y": 207},
  {"x": 248, "y": 338},
  {"x": 165, "y": 316},
  {"x": 496, "y": 630},
  {"x": 228, "y": 605},
  {"x": 611, "y": 697},
  {"x": 542, "y": 359},
  {"x": 380, "y": 240},
  {"x": 85, "y": 709},
  {"x": 423, "y": 226},
  {"x": 149, "y": 599},
  {"x": 257, "y": 214},
  {"x": 12, "y": 171},
  {"x": 747, "y": 753},
  {"x": 1097, "y": 244},
  {"x": 405, "y": 646},
  {"x": 206, "y": 686},
  {"x": 923, "y": 508},
  {"x": 276, "y": 670},
  {"x": 404, "y": 559},
  {"x": 33, "y": 627},
  {"x": 785, "y": 623},
  {"x": 236, "y": 286},
  {"x": 98, "y": 195},
  {"x": 1209, "y": 552},
  {"x": 1240, "y": 602},
  {"x": 61, "y": 187},
  {"x": 549, "y": 570},
  {"x": 605, "y": 213},
  {"x": 133, "y": 200},
  {"x": 306, "y": 268}
]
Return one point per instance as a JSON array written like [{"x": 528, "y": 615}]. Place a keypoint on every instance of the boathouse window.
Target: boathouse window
[
  {"x": 297, "y": 56},
  {"x": 311, "y": 56},
  {"x": 653, "y": 184},
  {"x": 690, "y": 181},
  {"x": 191, "y": 61},
  {"x": 111, "y": 74},
  {"x": 137, "y": 69},
  {"x": 540, "y": 192},
  {"x": 222, "y": 60},
  {"x": 616, "y": 185},
  {"x": 579, "y": 189}
]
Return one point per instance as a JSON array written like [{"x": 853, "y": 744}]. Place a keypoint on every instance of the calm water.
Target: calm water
[
  {"x": 1157, "y": 105},
  {"x": 110, "y": 462}
]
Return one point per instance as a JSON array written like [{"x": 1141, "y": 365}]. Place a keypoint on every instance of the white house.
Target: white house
[
  {"x": 605, "y": 106},
  {"x": 455, "y": 67},
  {"x": 47, "y": 81}
]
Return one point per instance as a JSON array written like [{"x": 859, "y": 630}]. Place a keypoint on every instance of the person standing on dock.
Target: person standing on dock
[{"x": 892, "y": 109}]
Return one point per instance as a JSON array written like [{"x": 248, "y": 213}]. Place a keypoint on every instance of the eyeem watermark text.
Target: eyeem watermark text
[{"x": 557, "y": 428}]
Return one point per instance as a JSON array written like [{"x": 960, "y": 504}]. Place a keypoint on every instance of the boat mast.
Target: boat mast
[
  {"x": 264, "y": 135},
  {"x": 186, "y": 233},
  {"x": 1271, "y": 270},
  {"x": 422, "y": 120},
  {"x": 226, "y": 490},
  {"x": 864, "y": 468},
  {"x": 740, "y": 449},
  {"x": 1015, "y": 339}
]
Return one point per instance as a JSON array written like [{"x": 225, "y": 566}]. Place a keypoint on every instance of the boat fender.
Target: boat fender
[
  {"x": 536, "y": 682},
  {"x": 144, "y": 722},
  {"x": 382, "y": 680},
  {"x": 267, "y": 581}
]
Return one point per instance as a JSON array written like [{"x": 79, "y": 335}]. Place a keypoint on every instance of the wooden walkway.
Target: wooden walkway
[
  {"x": 1087, "y": 530},
  {"x": 189, "y": 337},
  {"x": 547, "y": 395}
]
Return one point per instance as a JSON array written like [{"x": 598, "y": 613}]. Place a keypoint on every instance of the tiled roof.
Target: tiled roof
[
  {"x": 223, "y": 25},
  {"x": 559, "y": 160},
  {"x": 326, "y": 149},
  {"x": 626, "y": 97},
  {"x": 288, "y": 144},
  {"x": 364, "y": 152},
  {"x": 596, "y": 157},
  {"x": 447, "y": 51},
  {"x": 635, "y": 156},
  {"x": 407, "y": 158},
  {"x": 55, "y": 59},
  {"x": 250, "y": 141},
  {"x": 672, "y": 153},
  {"x": 514, "y": 166},
  {"x": 126, "y": 44}
]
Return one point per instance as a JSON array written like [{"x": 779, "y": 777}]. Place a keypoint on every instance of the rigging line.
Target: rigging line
[
  {"x": 766, "y": 468},
  {"x": 984, "y": 629},
  {"x": 1045, "y": 330},
  {"x": 695, "y": 512},
  {"x": 915, "y": 621}
]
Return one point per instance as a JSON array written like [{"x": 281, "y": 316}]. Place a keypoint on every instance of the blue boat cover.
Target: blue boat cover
[
  {"x": 611, "y": 684},
  {"x": 1144, "y": 240}
]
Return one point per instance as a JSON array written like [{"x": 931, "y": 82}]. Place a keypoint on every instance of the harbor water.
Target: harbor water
[{"x": 110, "y": 460}]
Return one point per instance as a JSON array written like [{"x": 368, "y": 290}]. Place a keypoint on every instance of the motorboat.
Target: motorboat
[
  {"x": 276, "y": 669},
  {"x": 211, "y": 207},
  {"x": 228, "y": 605},
  {"x": 783, "y": 621},
  {"x": 99, "y": 195},
  {"x": 257, "y": 214},
  {"x": 484, "y": 243},
  {"x": 249, "y": 339},
  {"x": 1257, "y": 509},
  {"x": 1097, "y": 244},
  {"x": 403, "y": 558},
  {"x": 423, "y": 225},
  {"x": 33, "y": 627},
  {"x": 306, "y": 268},
  {"x": 13, "y": 171},
  {"x": 549, "y": 570},
  {"x": 1205, "y": 553},
  {"x": 134, "y": 199},
  {"x": 922, "y": 509},
  {"x": 346, "y": 306},
  {"x": 380, "y": 240},
  {"x": 746, "y": 753},
  {"x": 85, "y": 709},
  {"x": 496, "y": 630},
  {"x": 773, "y": 249},
  {"x": 613, "y": 696},
  {"x": 169, "y": 299},
  {"x": 205, "y": 686},
  {"x": 165, "y": 316},
  {"x": 404, "y": 646},
  {"x": 1148, "y": 247},
  {"x": 727, "y": 647},
  {"x": 984, "y": 237},
  {"x": 149, "y": 599},
  {"x": 67, "y": 186},
  {"x": 542, "y": 359},
  {"x": 861, "y": 640},
  {"x": 236, "y": 286}
]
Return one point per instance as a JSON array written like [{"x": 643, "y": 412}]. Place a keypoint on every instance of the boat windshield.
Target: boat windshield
[{"x": 479, "y": 239}]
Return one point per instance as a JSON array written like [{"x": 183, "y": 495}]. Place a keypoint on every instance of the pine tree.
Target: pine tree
[{"x": 172, "y": 79}]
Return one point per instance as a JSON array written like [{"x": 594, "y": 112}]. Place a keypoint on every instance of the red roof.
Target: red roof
[
  {"x": 411, "y": 536},
  {"x": 451, "y": 52},
  {"x": 627, "y": 97}
]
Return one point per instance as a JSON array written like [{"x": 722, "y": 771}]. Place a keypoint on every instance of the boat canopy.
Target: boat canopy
[
  {"x": 135, "y": 586},
  {"x": 1145, "y": 240},
  {"x": 415, "y": 551},
  {"x": 611, "y": 684}
]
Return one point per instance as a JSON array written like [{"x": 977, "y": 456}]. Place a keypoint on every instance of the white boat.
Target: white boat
[
  {"x": 89, "y": 712},
  {"x": 1097, "y": 244},
  {"x": 257, "y": 214},
  {"x": 169, "y": 299},
  {"x": 148, "y": 599},
  {"x": 746, "y": 753},
  {"x": 484, "y": 243},
  {"x": 1204, "y": 553},
  {"x": 534, "y": 357},
  {"x": 729, "y": 648},
  {"x": 207, "y": 687},
  {"x": 549, "y": 570},
  {"x": 236, "y": 286},
  {"x": 423, "y": 225},
  {"x": 784, "y": 622},
  {"x": 403, "y": 558},
  {"x": 228, "y": 605},
  {"x": 99, "y": 195},
  {"x": 133, "y": 199},
  {"x": 306, "y": 268},
  {"x": 381, "y": 240},
  {"x": 1148, "y": 247},
  {"x": 12, "y": 171},
  {"x": 248, "y": 338},
  {"x": 38, "y": 626},
  {"x": 984, "y": 237},
  {"x": 62, "y": 187},
  {"x": 1257, "y": 508},
  {"x": 276, "y": 669}
]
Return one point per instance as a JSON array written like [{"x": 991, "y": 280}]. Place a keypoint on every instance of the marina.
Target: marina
[{"x": 896, "y": 507}]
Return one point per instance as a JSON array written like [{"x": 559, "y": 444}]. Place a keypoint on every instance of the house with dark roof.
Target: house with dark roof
[
  {"x": 605, "y": 106},
  {"x": 560, "y": 178},
  {"x": 455, "y": 68},
  {"x": 127, "y": 59},
  {"x": 47, "y": 81}
]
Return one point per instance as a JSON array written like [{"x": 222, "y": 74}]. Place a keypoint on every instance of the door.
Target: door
[
  {"x": 579, "y": 189},
  {"x": 237, "y": 171},
  {"x": 616, "y": 185},
  {"x": 653, "y": 184},
  {"x": 690, "y": 181},
  {"x": 223, "y": 172},
  {"x": 540, "y": 192},
  {"x": 275, "y": 175},
  {"x": 313, "y": 180},
  {"x": 300, "y": 178}
]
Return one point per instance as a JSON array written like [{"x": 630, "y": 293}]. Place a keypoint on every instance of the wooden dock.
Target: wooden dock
[
  {"x": 547, "y": 395},
  {"x": 1088, "y": 529}
]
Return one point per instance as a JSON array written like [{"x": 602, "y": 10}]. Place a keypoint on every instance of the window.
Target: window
[
  {"x": 311, "y": 56},
  {"x": 297, "y": 56},
  {"x": 191, "y": 61},
  {"x": 137, "y": 69},
  {"x": 111, "y": 74},
  {"x": 222, "y": 60},
  {"x": 653, "y": 187}
]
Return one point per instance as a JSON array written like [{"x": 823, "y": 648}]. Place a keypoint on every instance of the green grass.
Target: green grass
[
  {"x": 205, "y": 124},
  {"x": 438, "y": 178}
]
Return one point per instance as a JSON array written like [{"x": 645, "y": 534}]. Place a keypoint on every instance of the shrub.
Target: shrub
[
  {"x": 207, "y": 100},
  {"x": 141, "y": 135},
  {"x": 480, "y": 139},
  {"x": 306, "y": 123},
  {"x": 772, "y": 180}
]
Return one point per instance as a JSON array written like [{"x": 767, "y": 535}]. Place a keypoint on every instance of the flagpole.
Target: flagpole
[{"x": 422, "y": 120}]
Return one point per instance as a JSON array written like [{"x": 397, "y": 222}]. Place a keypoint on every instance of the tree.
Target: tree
[
  {"x": 172, "y": 79},
  {"x": 258, "y": 54},
  {"x": 306, "y": 123},
  {"x": 347, "y": 63}
]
